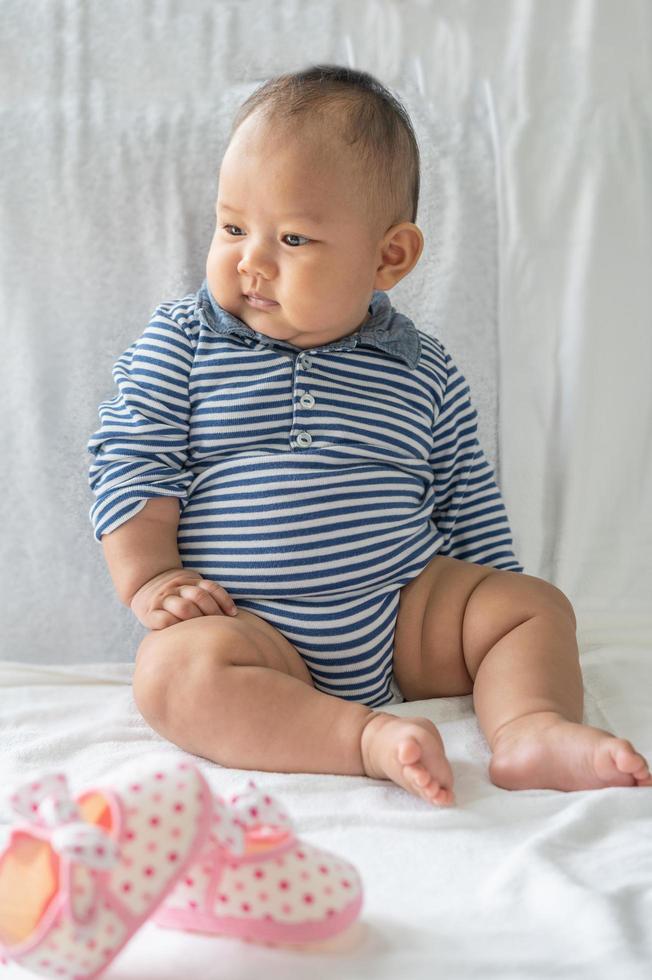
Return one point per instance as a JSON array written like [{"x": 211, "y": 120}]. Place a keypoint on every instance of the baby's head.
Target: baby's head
[{"x": 317, "y": 199}]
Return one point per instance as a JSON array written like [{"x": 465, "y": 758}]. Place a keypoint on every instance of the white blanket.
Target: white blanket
[{"x": 504, "y": 886}]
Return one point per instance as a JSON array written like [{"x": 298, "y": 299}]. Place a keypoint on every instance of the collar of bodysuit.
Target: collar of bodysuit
[{"x": 386, "y": 329}]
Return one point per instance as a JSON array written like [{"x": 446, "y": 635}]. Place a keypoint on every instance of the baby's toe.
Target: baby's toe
[
  {"x": 641, "y": 771},
  {"x": 439, "y": 794},
  {"x": 409, "y": 751},
  {"x": 429, "y": 788},
  {"x": 417, "y": 774},
  {"x": 630, "y": 761}
]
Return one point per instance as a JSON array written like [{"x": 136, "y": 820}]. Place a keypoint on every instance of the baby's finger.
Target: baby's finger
[
  {"x": 202, "y": 598},
  {"x": 180, "y": 606},
  {"x": 219, "y": 594},
  {"x": 158, "y": 619}
]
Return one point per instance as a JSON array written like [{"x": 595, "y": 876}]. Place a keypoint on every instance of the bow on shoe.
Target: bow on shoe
[
  {"x": 245, "y": 811},
  {"x": 48, "y": 805}
]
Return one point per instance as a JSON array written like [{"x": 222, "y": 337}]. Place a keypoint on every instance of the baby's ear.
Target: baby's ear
[{"x": 400, "y": 251}]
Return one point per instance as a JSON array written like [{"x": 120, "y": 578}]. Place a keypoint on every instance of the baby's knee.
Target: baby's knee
[
  {"x": 179, "y": 656},
  {"x": 503, "y": 601},
  {"x": 548, "y": 595},
  {"x": 152, "y": 671}
]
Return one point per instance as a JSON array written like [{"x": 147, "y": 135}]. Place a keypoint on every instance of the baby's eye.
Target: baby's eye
[{"x": 291, "y": 235}]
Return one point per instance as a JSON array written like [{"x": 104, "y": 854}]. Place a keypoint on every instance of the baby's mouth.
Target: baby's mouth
[{"x": 260, "y": 303}]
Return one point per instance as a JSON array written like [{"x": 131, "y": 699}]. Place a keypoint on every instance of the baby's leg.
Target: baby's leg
[
  {"x": 234, "y": 690},
  {"x": 510, "y": 639}
]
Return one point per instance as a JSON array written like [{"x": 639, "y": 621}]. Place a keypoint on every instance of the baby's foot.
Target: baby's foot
[
  {"x": 545, "y": 751},
  {"x": 411, "y": 753}
]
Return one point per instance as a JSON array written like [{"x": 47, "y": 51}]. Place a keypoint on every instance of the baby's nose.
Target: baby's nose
[{"x": 256, "y": 261}]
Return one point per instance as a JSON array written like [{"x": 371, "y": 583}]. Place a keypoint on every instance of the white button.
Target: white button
[
  {"x": 307, "y": 401},
  {"x": 304, "y": 439},
  {"x": 305, "y": 361}
]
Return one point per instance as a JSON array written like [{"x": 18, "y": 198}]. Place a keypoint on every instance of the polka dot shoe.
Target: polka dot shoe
[
  {"x": 255, "y": 880},
  {"x": 79, "y": 877}
]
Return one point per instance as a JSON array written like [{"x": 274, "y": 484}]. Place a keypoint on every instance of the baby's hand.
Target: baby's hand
[{"x": 178, "y": 594}]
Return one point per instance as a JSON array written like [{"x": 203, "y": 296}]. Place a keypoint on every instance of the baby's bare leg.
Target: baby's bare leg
[
  {"x": 528, "y": 691},
  {"x": 234, "y": 690},
  {"x": 509, "y": 639}
]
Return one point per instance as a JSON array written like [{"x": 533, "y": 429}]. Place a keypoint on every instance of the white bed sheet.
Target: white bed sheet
[{"x": 524, "y": 885}]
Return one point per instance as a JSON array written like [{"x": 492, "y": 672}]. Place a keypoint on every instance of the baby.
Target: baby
[{"x": 285, "y": 438}]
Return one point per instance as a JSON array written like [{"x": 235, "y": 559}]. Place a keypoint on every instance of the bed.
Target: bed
[{"x": 535, "y": 124}]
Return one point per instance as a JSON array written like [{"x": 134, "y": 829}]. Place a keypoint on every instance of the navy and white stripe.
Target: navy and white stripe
[
  {"x": 313, "y": 484},
  {"x": 346, "y": 643}
]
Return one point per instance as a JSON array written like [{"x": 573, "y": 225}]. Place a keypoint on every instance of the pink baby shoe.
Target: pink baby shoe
[
  {"x": 255, "y": 880},
  {"x": 79, "y": 877}
]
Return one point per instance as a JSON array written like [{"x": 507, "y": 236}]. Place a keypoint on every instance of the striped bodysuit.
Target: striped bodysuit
[{"x": 313, "y": 483}]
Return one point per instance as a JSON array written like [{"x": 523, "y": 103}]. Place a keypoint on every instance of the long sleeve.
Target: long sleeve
[
  {"x": 141, "y": 448},
  {"x": 468, "y": 509}
]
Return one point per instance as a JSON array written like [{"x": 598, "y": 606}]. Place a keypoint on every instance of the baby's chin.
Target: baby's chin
[{"x": 272, "y": 324}]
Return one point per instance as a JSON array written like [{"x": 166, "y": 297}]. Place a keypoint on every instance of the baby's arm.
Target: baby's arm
[
  {"x": 148, "y": 574},
  {"x": 143, "y": 546},
  {"x": 139, "y": 472},
  {"x": 468, "y": 508}
]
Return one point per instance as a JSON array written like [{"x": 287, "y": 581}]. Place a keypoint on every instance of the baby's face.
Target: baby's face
[{"x": 290, "y": 227}]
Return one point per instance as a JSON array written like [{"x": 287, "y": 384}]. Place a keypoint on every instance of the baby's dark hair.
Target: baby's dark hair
[{"x": 355, "y": 107}]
